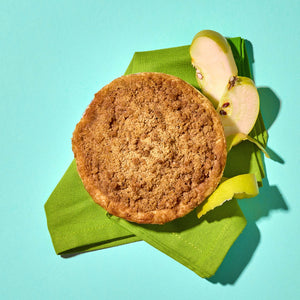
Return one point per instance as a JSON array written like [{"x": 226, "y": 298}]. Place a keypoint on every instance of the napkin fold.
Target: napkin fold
[{"x": 77, "y": 224}]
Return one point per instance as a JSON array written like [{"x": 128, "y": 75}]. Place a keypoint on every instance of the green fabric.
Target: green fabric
[
  {"x": 199, "y": 244},
  {"x": 77, "y": 224}
]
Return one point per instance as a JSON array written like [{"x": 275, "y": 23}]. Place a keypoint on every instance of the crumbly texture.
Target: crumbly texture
[{"x": 149, "y": 148}]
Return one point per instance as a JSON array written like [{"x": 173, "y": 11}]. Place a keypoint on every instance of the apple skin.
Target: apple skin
[
  {"x": 234, "y": 139},
  {"x": 239, "y": 106},
  {"x": 238, "y": 187},
  {"x": 214, "y": 63}
]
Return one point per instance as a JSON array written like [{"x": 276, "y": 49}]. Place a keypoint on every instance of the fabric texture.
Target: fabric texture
[{"x": 77, "y": 224}]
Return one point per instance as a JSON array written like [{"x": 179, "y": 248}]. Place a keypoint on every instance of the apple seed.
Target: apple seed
[
  {"x": 199, "y": 75},
  {"x": 231, "y": 82}
]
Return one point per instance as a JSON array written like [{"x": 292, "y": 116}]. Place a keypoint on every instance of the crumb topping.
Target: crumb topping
[{"x": 149, "y": 142}]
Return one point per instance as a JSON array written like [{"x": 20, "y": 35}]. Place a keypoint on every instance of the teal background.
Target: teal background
[{"x": 54, "y": 55}]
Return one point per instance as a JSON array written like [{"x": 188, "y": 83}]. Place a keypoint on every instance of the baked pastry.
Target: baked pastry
[{"x": 149, "y": 148}]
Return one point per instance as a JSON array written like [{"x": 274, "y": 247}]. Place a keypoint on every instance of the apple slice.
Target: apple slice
[
  {"x": 239, "y": 187},
  {"x": 214, "y": 63},
  {"x": 239, "y": 106}
]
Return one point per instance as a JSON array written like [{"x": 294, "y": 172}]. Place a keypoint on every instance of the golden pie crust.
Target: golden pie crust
[{"x": 149, "y": 148}]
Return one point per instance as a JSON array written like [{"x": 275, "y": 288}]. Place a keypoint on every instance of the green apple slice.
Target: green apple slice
[
  {"x": 239, "y": 187},
  {"x": 214, "y": 63},
  {"x": 239, "y": 106}
]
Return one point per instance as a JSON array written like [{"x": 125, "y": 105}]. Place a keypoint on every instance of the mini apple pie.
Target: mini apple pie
[{"x": 149, "y": 148}]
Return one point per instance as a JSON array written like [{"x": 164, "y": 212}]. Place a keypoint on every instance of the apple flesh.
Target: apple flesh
[
  {"x": 239, "y": 106},
  {"x": 214, "y": 63}
]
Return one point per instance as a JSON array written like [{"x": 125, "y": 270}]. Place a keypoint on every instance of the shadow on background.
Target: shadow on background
[
  {"x": 269, "y": 107},
  {"x": 241, "y": 252},
  {"x": 269, "y": 198}
]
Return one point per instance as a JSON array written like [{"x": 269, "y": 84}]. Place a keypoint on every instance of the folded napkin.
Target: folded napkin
[{"x": 77, "y": 224}]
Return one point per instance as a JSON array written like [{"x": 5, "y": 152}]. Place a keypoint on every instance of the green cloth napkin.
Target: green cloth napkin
[{"x": 77, "y": 224}]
